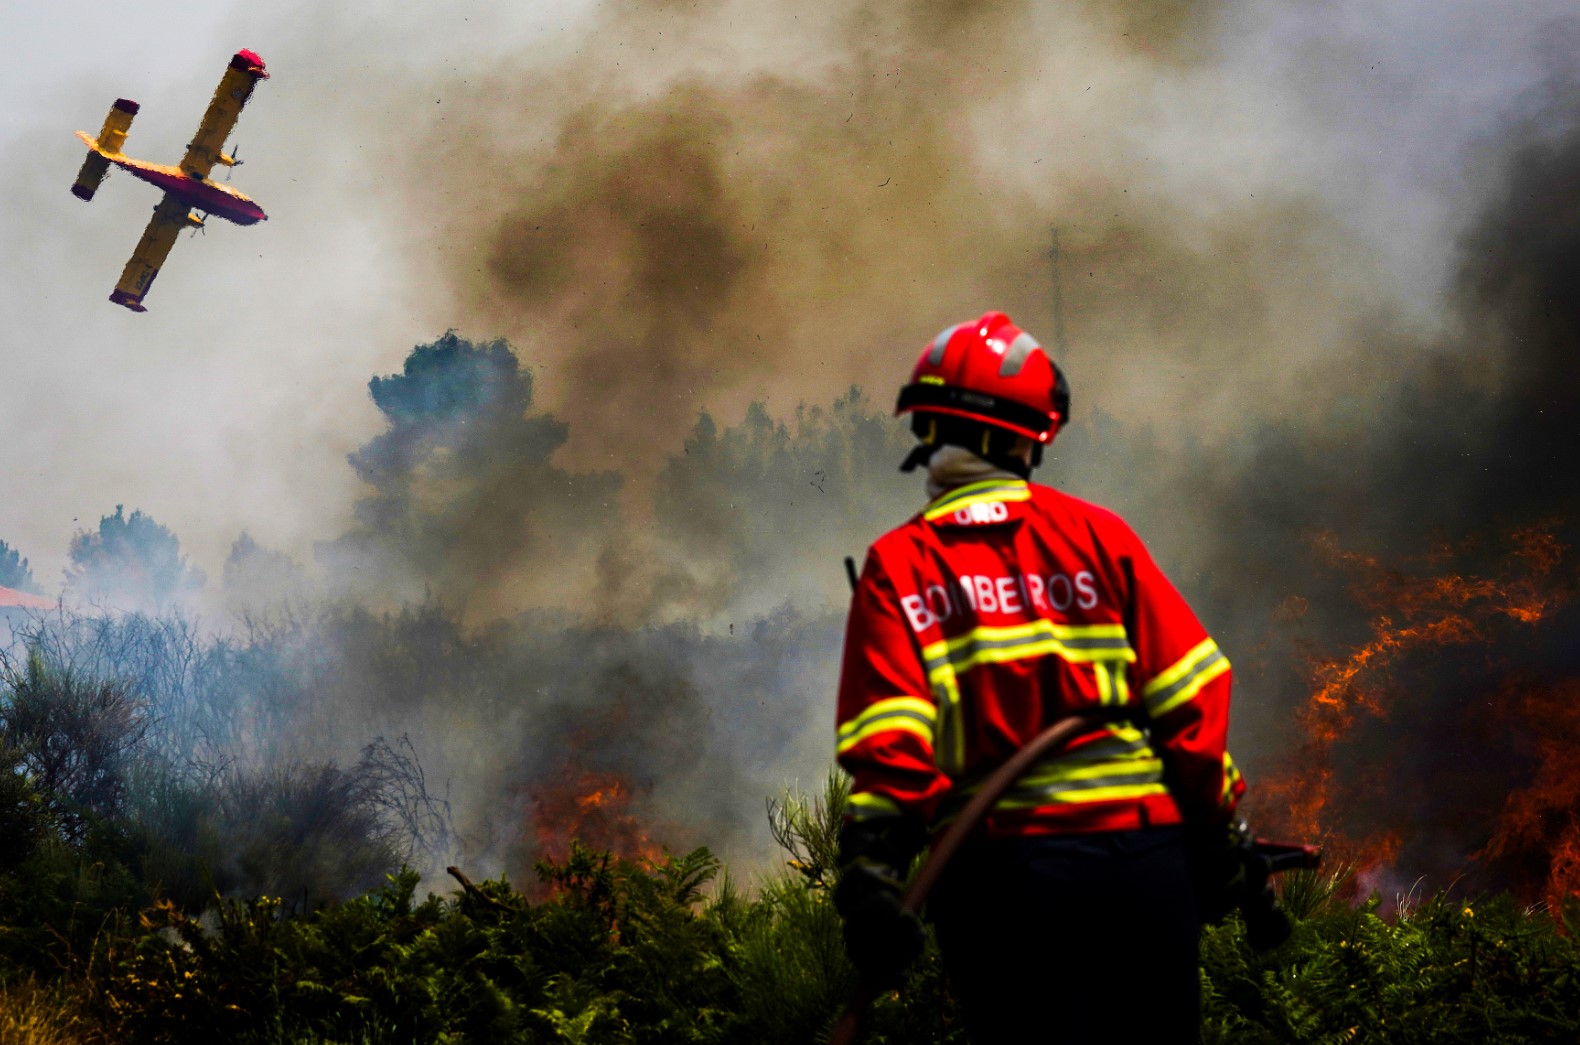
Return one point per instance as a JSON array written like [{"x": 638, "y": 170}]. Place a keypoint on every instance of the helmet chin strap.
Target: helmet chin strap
[
  {"x": 920, "y": 454},
  {"x": 926, "y": 429}
]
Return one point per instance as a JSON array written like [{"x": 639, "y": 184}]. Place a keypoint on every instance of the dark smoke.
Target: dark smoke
[
  {"x": 692, "y": 671},
  {"x": 662, "y": 241},
  {"x": 1433, "y": 471},
  {"x": 660, "y": 254},
  {"x": 697, "y": 728},
  {"x": 1519, "y": 289},
  {"x": 676, "y": 233}
]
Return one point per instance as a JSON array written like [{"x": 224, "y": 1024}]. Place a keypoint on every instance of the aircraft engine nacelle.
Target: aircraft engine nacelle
[{"x": 111, "y": 137}]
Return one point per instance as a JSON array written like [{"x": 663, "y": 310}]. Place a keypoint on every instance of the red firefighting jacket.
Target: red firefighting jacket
[{"x": 999, "y": 609}]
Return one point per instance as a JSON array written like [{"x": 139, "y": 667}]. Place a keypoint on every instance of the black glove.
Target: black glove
[
  {"x": 881, "y": 937},
  {"x": 1230, "y": 872},
  {"x": 1218, "y": 868}
]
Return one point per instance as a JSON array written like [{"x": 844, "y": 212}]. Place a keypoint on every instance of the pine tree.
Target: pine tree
[
  {"x": 14, "y": 572},
  {"x": 131, "y": 561}
]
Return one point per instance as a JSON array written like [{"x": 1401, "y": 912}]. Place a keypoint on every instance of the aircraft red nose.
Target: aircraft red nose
[{"x": 249, "y": 61}]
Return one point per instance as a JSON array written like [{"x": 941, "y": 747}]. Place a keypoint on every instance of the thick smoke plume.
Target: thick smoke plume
[
  {"x": 662, "y": 236},
  {"x": 663, "y": 712},
  {"x": 797, "y": 218},
  {"x": 606, "y": 546},
  {"x": 1434, "y": 673}
]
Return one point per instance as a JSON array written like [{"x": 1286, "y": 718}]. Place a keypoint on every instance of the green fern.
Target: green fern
[{"x": 677, "y": 951}]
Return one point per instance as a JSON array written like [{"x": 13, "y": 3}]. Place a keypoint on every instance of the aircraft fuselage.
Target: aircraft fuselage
[{"x": 216, "y": 199}]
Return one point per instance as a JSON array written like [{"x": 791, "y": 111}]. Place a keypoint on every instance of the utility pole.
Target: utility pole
[{"x": 1058, "y": 293}]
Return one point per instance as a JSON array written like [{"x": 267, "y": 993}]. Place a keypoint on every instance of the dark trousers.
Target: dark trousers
[{"x": 1073, "y": 938}]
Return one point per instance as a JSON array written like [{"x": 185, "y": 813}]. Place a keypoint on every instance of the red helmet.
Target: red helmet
[{"x": 990, "y": 371}]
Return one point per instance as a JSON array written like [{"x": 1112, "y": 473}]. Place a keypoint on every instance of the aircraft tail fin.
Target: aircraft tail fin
[{"x": 111, "y": 137}]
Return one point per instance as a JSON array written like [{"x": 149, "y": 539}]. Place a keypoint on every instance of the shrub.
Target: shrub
[{"x": 614, "y": 951}]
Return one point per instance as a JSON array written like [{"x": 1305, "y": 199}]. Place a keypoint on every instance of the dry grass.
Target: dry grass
[{"x": 35, "y": 1015}]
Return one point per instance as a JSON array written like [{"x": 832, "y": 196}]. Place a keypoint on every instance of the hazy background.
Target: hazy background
[
  {"x": 1314, "y": 263},
  {"x": 1237, "y": 185}
]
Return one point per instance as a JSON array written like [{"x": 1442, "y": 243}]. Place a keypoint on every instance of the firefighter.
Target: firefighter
[{"x": 997, "y": 610}]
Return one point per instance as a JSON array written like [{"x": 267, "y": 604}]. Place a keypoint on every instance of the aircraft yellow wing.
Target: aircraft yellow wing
[
  {"x": 170, "y": 217},
  {"x": 235, "y": 87}
]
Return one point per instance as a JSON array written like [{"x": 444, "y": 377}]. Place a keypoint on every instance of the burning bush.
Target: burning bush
[{"x": 1442, "y": 744}]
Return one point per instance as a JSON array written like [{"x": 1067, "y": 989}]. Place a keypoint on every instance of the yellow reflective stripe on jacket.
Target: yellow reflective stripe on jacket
[
  {"x": 908, "y": 714},
  {"x": 1124, "y": 766},
  {"x": 986, "y": 491},
  {"x": 1184, "y": 679},
  {"x": 946, "y": 659},
  {"x": 1113, "y": 682},
  {"x": 1231, "y": 776},
  {"x": 1076, "y": 643},
  {"x": 1142, "y": 781},
  {"x": 949, "y": 745},
  {"x": 1119, "y": 766},
  {"x": 864, "y": 805}
]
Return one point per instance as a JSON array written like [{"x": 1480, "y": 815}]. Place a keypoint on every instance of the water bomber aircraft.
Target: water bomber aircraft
[{"x": 190, "y": 197}]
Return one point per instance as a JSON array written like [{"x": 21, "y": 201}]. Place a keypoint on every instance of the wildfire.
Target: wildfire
[
  {"x": 593, "y": 808},
  {"x": 1538, "y": 832},
  {"x": 1418, "y": 619}
]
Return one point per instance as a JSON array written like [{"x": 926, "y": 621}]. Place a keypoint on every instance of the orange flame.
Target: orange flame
[
  {"x": 1410, "y": 614},
  {"x": 1539, "y": 828},
  {"x": 594, "y": 809}
]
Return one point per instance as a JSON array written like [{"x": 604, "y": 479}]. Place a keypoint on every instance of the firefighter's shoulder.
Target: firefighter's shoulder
[
  {"x": 901, "y": 540},
  {"x": 1067, "y": 510}
]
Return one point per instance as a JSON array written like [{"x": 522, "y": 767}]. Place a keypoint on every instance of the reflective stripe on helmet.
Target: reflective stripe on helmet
[
  {"x": 986, "y": 371},
  {"x": 1015, "y": 357},
  {"x": 941, "y": 342}
]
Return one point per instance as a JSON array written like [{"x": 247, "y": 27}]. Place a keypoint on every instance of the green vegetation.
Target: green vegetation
[
  {"x": 148, "y": 896},
  {"x": 14, "y": 571},
  {"x": 130, "y": 560},
  {"x": 1449, "y": 970},
  {"x": 626, "y": 952}
]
